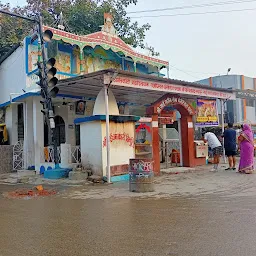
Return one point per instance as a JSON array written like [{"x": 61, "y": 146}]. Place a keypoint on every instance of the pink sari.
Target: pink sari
[{"x": 246, "y": 164}]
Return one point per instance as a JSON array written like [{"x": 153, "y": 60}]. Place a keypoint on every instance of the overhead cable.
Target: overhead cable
[{"x": 194, "y": 6}]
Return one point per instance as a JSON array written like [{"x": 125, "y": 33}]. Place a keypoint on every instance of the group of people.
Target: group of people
[{"x": 244, "y": 144}]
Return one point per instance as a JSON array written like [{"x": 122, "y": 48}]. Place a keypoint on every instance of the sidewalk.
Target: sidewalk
[
  {"x": 33, "y": 179},
  {"x": 201, "y": 183},
  {"x": 190, "y": 183},
  {"x": 29, "y": 177},
  {"x": 173, "y": 182}
]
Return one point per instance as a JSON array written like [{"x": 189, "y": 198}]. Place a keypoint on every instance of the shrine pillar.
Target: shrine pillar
[
  {"x": 81, "y": 58},
  {"x": 187, "y": 138},
  {"x": 135, "y": 67},
  {"x": 155, "y": 143}
]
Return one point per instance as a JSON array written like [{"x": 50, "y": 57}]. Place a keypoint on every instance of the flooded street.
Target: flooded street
[{"x": 189, "y": 214}]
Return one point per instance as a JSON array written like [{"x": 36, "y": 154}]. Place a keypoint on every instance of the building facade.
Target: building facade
[
  {"x": 244, "y": 107},
  {"x": 20, "y": 107}
]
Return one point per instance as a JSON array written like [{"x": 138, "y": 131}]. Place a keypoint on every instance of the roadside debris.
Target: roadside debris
[{"x": 37, "y": 191}]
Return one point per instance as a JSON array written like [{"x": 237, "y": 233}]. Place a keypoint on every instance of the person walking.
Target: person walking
[
  {"x": 246, "y": 146},
  {"x": 230, "y": 146},
  {"x": 216, "y": 147}
]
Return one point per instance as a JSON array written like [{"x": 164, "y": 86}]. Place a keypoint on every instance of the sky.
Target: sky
[{"x": 199, "y": 46}]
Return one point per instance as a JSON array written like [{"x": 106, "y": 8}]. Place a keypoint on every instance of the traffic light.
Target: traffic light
[
  {"x": 51, "y": 79},
  {"x": 47, "y": 35}
]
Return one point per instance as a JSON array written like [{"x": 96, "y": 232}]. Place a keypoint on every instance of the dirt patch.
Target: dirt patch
[{"x": 31, "y": 193}]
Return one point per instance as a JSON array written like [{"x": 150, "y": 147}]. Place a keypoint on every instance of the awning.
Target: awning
[{"x": 138, "y": 88}]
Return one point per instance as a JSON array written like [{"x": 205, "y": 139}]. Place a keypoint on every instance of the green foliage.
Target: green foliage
[
  {"x": 81, "y": 16},
  {"x": 12, "y": 30}
]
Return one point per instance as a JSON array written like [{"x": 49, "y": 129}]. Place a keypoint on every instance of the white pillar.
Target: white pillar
[
  {"x": 107, "y": 134},
  {"x": 164, "y": 132},
  {"x": 38, "y": 127},
  {"x": 70, "y": 127},
  {"x": 11, "y": 121},
  {"x": 29, "y": 151},
  {"x": 65, "y": 151}
]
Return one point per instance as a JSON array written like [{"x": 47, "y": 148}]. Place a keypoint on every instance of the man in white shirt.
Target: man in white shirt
[{"x": 216, "y": 147}]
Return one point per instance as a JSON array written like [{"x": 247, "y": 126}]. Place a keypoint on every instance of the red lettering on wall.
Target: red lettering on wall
[{"x": 120, "y": 137}]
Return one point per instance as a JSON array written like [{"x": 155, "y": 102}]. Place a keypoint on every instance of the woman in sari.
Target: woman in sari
[{"x": 246, "y": 145}]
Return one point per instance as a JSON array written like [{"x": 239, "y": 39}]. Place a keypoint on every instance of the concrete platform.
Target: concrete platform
[
  {"x": 26, "y": 173},
  {"x": 119, "y": 178},
  {"x": 78, "y": 175},
  {"x": 175, "y": 170}
]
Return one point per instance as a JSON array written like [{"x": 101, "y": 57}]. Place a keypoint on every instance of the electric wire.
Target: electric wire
[
  {"x": 194, "y": 6},
  {"x": 193, "y": 13}
]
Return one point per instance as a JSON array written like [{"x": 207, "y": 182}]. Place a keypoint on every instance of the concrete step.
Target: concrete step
[
  {"x": 178, "y": 170},
  {"x": 26, "y": 173},
  {"x": 78, "y": 175}
]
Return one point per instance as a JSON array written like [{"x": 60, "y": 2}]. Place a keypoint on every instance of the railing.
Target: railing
[
  {"x": 75, "y": 154},
  {"x": 47, "y": 155},
  {"x": 170, "y": 156},
  {"x": 18, "y": 156}
]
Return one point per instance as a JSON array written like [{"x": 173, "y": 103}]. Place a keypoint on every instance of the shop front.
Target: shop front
[{"x": 155, "y": 94}]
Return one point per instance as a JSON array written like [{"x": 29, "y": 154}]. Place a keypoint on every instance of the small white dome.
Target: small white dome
[{"x": 99, "y": 106}]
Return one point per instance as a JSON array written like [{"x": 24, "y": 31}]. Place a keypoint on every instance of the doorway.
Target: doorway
[
  {"x": 185, "y": 127},
  {"x": 170, "y": 144},
  {"x": 60, "y": 131}
]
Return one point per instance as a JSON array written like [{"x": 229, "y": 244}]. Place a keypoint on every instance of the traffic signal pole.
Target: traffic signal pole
[
  {"x": 47, "y": 93},
  {"x": 48, "y": 100},
  {"x": 18, "y": 16}
]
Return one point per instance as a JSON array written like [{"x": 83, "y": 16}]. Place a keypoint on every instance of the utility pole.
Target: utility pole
[
  {"x": 47, "y": 80},
  {"x": 47, "y": 83}
]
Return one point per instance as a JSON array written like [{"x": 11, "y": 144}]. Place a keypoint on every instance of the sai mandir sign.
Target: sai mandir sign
[{"x": 173, "y": 101}]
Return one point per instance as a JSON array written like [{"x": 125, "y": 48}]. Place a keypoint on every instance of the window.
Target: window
[
  {"x": 250, "y": 103},
  {"x": 77, "y": 132}
]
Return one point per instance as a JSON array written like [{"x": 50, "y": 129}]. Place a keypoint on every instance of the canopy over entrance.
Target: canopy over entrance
[
  {"x": 145, "y": 90},
  {"x": 137, "y": 88}
]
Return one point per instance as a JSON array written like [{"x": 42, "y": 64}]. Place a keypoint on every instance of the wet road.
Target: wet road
[{"x": 204, "y": 224}]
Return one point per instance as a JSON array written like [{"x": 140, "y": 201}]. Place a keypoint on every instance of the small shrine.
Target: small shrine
[
  {"x": 83, "y": 54},
  {"x": 121, "y": 135}
]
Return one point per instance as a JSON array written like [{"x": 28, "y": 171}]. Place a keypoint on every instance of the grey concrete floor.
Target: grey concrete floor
[{"x": 189, "y": 215}]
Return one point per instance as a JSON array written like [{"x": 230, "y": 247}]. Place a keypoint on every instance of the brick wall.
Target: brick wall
[{"x": 6, "y": 153}]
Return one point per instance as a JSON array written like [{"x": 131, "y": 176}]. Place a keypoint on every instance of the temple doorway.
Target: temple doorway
[{"x": 60, "y": 131}]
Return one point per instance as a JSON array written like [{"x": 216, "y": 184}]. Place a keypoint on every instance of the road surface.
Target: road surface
[{"x": 189, "y": 215}]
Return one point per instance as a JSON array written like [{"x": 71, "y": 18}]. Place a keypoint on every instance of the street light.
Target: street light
[{"x": 228, "y": 71}]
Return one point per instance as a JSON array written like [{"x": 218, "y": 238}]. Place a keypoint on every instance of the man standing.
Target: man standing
[
  {"x": 230, "y": 146},
  {"x": 216, "y": 147}
]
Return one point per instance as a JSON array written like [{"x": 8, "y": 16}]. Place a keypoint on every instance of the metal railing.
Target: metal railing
[
  {"x": 18, "y": 156},
  {"x": 47, "y": 155},
  {"x": 75, "y": 154},
  {"x": 171, "y": 150}
]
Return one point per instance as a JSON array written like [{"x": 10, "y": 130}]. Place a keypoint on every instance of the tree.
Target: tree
[
  {"x": 12, "y": 30},
  {"x": 83, "y": 17}
]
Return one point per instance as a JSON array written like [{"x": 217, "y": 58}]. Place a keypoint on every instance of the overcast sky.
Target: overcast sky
[{"x": 199, "y": 46}]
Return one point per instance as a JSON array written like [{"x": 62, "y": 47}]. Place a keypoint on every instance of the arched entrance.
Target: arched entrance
[{"x": 186, "y": 124}]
